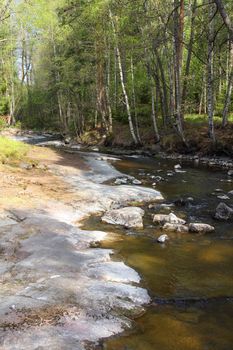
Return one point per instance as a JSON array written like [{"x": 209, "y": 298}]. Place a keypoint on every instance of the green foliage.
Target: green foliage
[
  {"x": 11, "y": 150},
  {"x": 72, "y": 81},
  {"x": 2, "y": 124}
]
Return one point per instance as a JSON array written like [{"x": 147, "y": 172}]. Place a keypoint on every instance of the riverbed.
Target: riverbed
[{"x": 190, "y": 278}]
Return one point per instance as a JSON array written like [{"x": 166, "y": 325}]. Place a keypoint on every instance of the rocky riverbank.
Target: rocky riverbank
[
  {"x": 57, "y": 292},
  {"x": 56, "y": 140}
]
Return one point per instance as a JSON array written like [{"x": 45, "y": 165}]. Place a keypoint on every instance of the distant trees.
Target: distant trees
[{"x": 82, "y": 64}]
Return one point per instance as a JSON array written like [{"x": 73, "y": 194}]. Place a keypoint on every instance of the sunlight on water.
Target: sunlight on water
[{"x": 191, "y": 267}]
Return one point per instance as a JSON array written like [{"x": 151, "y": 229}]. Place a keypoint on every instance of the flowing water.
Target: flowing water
[{"x": 190, "y": 279}]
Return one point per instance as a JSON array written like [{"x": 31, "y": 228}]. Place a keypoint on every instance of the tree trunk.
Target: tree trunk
[
  {"x": 134, "y": 99},
  {"x": 110, "y": 122},
  {"x": 229, "y": 27},
  {"x": 131, "y": 126},
  {"x": 189, "y": 56},
  {"x": 153, "y": 114},
  {"x": 210, "y": 73},
  {"x": 178, "y": 48},
  {"x": 229, "y": 91}
]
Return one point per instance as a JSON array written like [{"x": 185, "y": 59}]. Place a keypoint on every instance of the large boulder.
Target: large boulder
[
  {"x": 171, "y": 219},
  {"x": 223, "y": 212},
  {"x": 129, "y": 217},
  {"x": 175, "y": 228},
  {"x": 200, "y": 228}
]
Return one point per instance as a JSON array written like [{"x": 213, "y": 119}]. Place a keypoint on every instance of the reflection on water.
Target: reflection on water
[{"x": 189, "y": 266}]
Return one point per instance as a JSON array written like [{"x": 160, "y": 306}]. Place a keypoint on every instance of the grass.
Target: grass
[
  {"x": 203, "y": 118},
  {"x": 11, "y": 150}
]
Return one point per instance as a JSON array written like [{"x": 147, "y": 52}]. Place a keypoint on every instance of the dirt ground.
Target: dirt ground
[{"x": 27, "y": 189}]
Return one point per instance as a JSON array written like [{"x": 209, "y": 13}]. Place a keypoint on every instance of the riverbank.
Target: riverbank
[
  {"x": 58, "y": 292},
  {"x": 56, "y": 140}
]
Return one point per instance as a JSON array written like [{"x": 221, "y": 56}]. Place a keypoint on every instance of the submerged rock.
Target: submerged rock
[
  {"x": 175, "y": 228},
  {"x": 163, "y": 239},
  {"x": 200, "y": 228},
  {"x": 165, "y": 206},
  {"x": 171, "y": 219},
  {"x": 181, "y": 202},
  {"x": 223, "y": 212},
  {"x": 128, "y": 217}
]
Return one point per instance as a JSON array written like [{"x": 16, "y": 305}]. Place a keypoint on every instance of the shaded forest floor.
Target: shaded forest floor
[{"x": 196, "y": 132}]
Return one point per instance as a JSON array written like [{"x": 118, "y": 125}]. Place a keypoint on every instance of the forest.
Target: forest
[
  {"x": 116, "y": 174},
  {"x": 124, "y": 72}
]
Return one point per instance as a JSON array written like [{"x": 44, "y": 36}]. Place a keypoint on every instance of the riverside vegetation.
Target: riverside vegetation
[{"x": 121, "y": 72}]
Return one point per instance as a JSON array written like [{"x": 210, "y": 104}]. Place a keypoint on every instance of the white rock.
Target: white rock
[
  {"x": 177, "y": 166},
  {"x": 163, "y": 239},
  {"x": 200, "y": 228},
  {"x": 160, "y": 218},
  {"x": 171, "y": 219},
  {"x": 137, "y": 182},
  {"x": 128, "y": 217},
  {"x": 224, "y": 197},
  {"x": 175, "y": 228}
]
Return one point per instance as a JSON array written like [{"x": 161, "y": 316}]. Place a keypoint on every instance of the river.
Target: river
[{"x": 190, "y": 279}]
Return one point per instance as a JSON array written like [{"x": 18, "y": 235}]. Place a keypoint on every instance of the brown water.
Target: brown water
[{"x": 189, "y": 278}]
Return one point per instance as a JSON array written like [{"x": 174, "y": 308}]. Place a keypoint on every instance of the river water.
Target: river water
[{"x": 190, "y": 279}]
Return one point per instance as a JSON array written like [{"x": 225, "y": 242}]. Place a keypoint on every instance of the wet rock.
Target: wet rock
[
  {"x": 218, "y": 190},
  {"x": 171, "y": 219},
  {"x": 158, "y": 178},
  {"x": 223, "y": 212},
  {"x": 223, "y": 197},
  {"x": 127, "y": 180},
  {"x": 170, "y": 173},
  {"x": 161, "y": 206},
  {"x": 163, "y": 239},
  {"x": 136, "y": 182},
  {"x": 121, "y": 181},
  {"x": 230, "y": 173},
  {"x": 180, "y": 171},
  {"x": 200, "y": 228},
  {"x": 177, "y": 167},
  {"x": 160, "y": 218},
  {"x": 230, "y": 193},
  {"x": 128, "y": 217},
  {"x": 95, "y": 149},
  {"x": 175, "y": 228},
  {"x": 67, "y": 140},
  {"x": 181, "y": 202}
]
